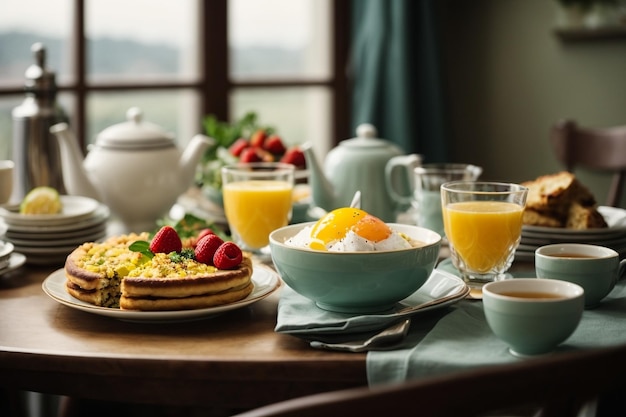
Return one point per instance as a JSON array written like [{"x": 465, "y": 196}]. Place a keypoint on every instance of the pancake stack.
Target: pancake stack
[{"x": 109, "y": 274}]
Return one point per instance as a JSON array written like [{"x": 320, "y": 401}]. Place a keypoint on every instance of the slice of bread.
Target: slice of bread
[{"x": 560, "y": 200}]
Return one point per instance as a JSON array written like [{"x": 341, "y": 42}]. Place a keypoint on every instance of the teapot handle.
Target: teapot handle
[{"x": 407, "y": 163}]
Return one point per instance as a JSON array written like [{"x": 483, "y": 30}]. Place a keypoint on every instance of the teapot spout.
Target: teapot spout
[
  {"x": 191, "y": 157},
  {"x": 322, "y": 190},
  {"x": 74, "y": 174}
]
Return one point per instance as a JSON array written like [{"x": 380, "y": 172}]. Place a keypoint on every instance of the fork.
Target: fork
[{"x": 380, "y": 341}]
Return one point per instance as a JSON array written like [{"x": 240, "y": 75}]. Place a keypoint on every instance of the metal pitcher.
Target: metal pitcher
[{"x": 35, "y": 151}]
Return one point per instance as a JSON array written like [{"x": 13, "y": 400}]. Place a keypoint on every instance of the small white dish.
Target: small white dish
[
  {"x": 265, "y": 280},
  {"x": 74, "y": 208},
  {"x": 15, "y": 261},
  {"x": 100, "y": 215},
  {"x": 5, "y": 249}
]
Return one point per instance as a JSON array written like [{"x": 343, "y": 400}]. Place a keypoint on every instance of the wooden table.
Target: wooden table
[{"x": 234, "y": 360}]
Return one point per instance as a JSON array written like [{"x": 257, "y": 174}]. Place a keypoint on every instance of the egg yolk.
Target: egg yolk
[{"x": 334, "y": 226}]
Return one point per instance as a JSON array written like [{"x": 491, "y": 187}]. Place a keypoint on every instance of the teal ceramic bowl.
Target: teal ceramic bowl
[
  {"x": 533, "y": 315},
  {"x": 355, "y": 282}
]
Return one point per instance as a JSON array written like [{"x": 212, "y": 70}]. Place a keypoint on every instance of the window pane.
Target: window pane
[
  {"x": 279, "y": 38},
  {"x": 168, "y": 109},
  {"x": 298, "y": 114},
  {"x": 25, "y": 22},
  {"x": 142, "y": 39}
]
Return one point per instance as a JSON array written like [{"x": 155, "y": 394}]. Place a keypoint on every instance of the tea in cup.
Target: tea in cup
[
  {"x": 595, "y": 268},
  {"x": 6, "y": 180},
  {"x": 533, "y": 315}
]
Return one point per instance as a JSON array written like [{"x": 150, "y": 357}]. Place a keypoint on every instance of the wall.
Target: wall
[{"x": 508, "y": 78}]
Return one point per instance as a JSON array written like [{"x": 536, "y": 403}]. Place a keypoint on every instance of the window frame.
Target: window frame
[{"x": 213, "y": 84}]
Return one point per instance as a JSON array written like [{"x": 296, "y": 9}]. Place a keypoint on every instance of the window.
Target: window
[{"x": 181, "y": 60}]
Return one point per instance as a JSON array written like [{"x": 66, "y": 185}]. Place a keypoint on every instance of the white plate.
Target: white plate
[
  {"x": 100, "y": 215},
  {"x": 82, "y": 234},
  {"x": 53, "y": 243},
  {"x": 265, "y": 282},
  {"x": 15, "y": 261},
  {"x": 74, "y": 208},
  {"x": 614, "y": 217}
]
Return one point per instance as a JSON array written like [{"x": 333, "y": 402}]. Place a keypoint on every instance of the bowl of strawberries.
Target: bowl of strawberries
[{"x": 246, "y": 141}]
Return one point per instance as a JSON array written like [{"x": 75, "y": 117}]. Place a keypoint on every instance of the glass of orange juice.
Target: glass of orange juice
[
  {"x": 257, "y": 200},
  {"x": 483, "y": 224}
]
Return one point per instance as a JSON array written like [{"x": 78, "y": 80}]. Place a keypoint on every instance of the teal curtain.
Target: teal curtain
[{"x": 396, "y": 80}]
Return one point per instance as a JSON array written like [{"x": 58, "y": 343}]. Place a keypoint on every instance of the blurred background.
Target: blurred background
[{"x": 479, "y": 82}]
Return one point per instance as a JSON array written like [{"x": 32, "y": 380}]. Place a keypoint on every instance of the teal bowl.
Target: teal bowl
[
  {"x": 355, "y": 282},
  {"x": 533, "y": 315}
]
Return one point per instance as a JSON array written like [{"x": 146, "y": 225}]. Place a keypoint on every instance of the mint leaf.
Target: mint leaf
[{"x": 142, "y": 247}]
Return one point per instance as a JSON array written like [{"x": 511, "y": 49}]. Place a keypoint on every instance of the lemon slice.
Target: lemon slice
[{"x": 41, "y": 200}]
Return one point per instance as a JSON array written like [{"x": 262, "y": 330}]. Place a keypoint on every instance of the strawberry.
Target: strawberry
[
  {"x": 294, "y": 156},
  {"x": 206, "y": 247},
  {"x": 250, "y": 155},
  {"x": 201, "y": 234},
  {"x": 205, "y": 232},
  {"x": 238, "y": 146},
  {"x": 258, "y": 138},
  {"x": 227, "y": 256},
  {"x": 166, "y": 240},
  {"x": 274, "y": 144}
]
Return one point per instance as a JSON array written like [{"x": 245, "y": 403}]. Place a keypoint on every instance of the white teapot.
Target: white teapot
[{"x": 134, "y": 168}]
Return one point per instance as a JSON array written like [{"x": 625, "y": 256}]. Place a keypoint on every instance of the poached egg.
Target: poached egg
[{"x": 349, "y": 230}]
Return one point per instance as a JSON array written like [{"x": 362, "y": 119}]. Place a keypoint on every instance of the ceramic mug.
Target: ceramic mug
[
  {"x": 595, "y": 268},
  {"x": 533, "y": 315},
  {"x": 6, "y": 180}
]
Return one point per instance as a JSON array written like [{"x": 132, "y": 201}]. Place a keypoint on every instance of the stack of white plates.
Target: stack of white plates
[
  {"x": 9, "y": 259},
  {"x": 47, "y": 239},
  {"x": 613, "y": 237}
]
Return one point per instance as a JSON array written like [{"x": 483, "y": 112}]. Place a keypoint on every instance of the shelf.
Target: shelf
[{"x": 579, "y": 35}]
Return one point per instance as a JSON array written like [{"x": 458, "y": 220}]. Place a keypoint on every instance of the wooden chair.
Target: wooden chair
[
  {"x": 560, "y": 385},
  {"x": 596, "y": 149}
]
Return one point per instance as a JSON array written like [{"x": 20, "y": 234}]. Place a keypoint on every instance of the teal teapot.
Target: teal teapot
[{"x": 366, "y": 164}]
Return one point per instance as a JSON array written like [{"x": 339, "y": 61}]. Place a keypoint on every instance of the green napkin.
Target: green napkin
[
  {"x": 463, "y": 340},
  {"x": 299, "y": 316}
]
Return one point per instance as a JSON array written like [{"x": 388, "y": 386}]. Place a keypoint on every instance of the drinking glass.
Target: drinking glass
[
  {"x": 483, "y": 224},
  {"x": 427, "y": 194},
  {"x": 257, "y": 200}
]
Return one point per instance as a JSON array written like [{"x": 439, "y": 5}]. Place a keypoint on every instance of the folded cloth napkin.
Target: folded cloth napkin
[
  {"x": 300, "y": 317},
  {"x": 463, "y": 340}
]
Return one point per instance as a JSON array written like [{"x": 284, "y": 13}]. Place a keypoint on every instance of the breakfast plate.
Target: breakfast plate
[
  {"x": 74, "y": 208},
  {"x": 615, "y": 218},
  {"x": 265, "y": 282},
  {"x": 613, "y": 236}
]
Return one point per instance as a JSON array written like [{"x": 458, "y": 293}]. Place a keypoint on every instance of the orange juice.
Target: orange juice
[
  {"x": 483, "y": 233},
  {"x": 256, "y": 208}
]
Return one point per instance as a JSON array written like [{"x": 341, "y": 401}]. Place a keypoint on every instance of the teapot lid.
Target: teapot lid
[
  {"x": 135, "y": 133},
  {"x": 365, "y": 137}
]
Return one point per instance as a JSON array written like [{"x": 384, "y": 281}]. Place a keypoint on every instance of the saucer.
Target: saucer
[{"x": 16, "y": 260}]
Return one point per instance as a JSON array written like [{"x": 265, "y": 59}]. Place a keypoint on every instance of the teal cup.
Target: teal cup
[
  {"x": 595, "y": 268},
  {"x": 533, "y": 316}
]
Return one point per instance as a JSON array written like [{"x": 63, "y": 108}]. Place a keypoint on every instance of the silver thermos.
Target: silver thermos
[{"x": 35, "y": 150}]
